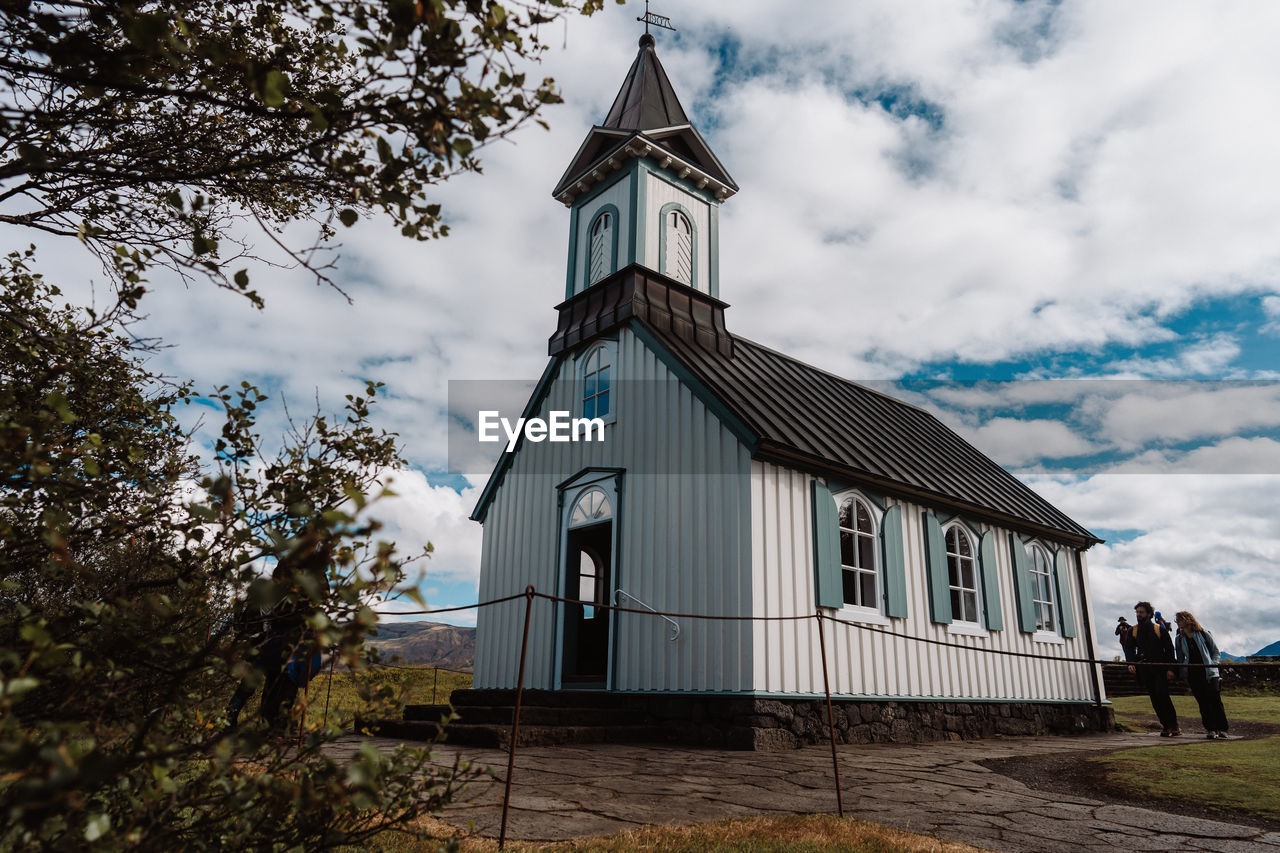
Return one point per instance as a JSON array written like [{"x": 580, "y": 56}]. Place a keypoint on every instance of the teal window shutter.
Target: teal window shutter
[
  {"x": 895, "y": 564},
  {"x": 935, "y": 552},
  {"x": 1061, "y": 566},
  {"x": 1022, "y": 585},
  {"x": 827, "y": 580},
  {"x": 991, "y": 582}
]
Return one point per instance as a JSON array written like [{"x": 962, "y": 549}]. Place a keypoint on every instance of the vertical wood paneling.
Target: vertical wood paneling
[
  {"x": 867, "y": 663},
  {"x": 662, "y": 192},
  {"x": 619, "y": 195},
  {"x": 682, "y": 538}
]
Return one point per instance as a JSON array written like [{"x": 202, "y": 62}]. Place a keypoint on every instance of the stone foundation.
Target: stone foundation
[{"x": 731, "y": 722}]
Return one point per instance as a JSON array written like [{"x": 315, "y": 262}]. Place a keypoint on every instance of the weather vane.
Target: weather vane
[{"x": 657, "y": 20}]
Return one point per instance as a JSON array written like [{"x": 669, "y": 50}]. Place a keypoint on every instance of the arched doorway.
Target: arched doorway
[{"x": 588, "y": 568}]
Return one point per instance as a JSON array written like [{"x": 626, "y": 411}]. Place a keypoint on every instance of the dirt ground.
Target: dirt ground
[{"x": 1074, "y": 774}]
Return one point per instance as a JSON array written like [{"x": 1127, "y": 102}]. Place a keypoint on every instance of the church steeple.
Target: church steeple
[
  {"x": 646, "y": 99},
  {"x": 644, "y": 188}
]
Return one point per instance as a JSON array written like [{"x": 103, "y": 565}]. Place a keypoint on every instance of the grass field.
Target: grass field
[
  {"x": 1240, "y": 775},
  {"x": 1258, "y": 708},
  {"x": 791, "y": 834},
  {"x": 408, "y": 685}
]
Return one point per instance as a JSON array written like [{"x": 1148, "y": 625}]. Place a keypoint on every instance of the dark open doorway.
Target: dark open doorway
[{"x": 586, "y": 625}]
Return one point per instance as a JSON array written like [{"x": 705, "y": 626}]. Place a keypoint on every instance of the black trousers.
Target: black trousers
[
  {"x": 1156, "y": 683},
  {"x": 1208, "y": 697}
]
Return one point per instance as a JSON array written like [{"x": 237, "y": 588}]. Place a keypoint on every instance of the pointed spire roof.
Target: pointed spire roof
[
  {"x": 646, "y": 120},
  {"x": 646, "y": 99}
]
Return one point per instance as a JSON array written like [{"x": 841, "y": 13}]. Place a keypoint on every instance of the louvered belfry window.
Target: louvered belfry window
[
  {"x": 601, "y": 248},
  {"x": 679, "y": 247}
]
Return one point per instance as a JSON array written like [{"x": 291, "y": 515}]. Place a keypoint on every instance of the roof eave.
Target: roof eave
[{"x": 639, "y": 146}]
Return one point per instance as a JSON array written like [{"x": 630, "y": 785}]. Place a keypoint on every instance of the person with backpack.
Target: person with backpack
[
  {"x": 1198, "y": 654},
  {"x": 1151, "y": 657}
]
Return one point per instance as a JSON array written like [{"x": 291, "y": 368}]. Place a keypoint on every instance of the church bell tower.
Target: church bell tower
[{"x": 644, "y": 188}]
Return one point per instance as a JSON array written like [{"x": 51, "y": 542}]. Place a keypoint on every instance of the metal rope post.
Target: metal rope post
[
  {"x": 515, "y": 717},
  {"x": 831, "y": 716}
]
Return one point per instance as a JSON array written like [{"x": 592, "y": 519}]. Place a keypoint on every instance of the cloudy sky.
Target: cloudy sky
[{"x": 996, "y": 195}]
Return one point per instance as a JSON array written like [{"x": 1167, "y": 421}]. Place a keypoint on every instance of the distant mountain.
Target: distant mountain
[
  {"x": 428, "y": 644},
  {"x": 1227, "y": 656},
  {"x": 1271, "y": 651}
]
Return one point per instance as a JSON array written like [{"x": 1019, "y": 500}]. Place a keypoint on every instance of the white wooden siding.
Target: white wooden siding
[
  {"x": 683, "y": 539},
  {"x": 867, "y": 663},
  {"x": 619, "y": 195},
  {"x": 659, "y": 192}
]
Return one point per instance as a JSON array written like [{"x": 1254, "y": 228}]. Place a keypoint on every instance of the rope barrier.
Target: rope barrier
[
  {"x": 530, "y": 593},
  {"x": 711, "y": 617}
]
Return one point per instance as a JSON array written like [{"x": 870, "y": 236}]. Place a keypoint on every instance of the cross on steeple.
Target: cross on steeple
[{"x": 657, "y": 20}]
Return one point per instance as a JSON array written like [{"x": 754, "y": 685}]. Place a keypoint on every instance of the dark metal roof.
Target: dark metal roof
[
  {"x": 804, "y": 417},
  {"x": 646, "y": 120},
  {"x": 646, "y": 99}
]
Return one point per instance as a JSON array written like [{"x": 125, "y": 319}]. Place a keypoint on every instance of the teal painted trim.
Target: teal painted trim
[
  {"x": 713, "y": 250},
  {"x": 610, "y": 346},
  {"x": 615, "y": 576},
  {"x": 572, "y": 265},
  {"x": 613, "y": 250},
  {"x": 693, "y": 241},
  {"x": 1022, "y": 585},
  {"x": 639, "y": 200},
  {"x": 704, "y": 395},
  {"x": 828, "y": 575},
  {"x": 1065, "y": 607},
  {"x": 935, "y": 552},
  {"x": 505, "y": 460},
  {"x": 990, "y": 582},
  {"x": 895, "y": 563}
]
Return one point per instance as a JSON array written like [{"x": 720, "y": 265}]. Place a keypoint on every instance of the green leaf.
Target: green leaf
[
  {"x": 348, "y": 217},
  {"x": 98, "y": 826},
  {"x": 273, "y": 88},
  {"x": 17, "y": 686}
]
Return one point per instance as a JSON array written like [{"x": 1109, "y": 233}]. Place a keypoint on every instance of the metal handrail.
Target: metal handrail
[{"x": 675, "y": 626}]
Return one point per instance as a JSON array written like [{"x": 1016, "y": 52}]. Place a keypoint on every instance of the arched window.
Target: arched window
[
  {"x": 962, "y": 570},
  {"x": 679, "y": 242},
  {"x": 592, "y": 507},
  {"x": 596, "y": 382},
  {"x": 858, "y": 554},
  {"x": 1042, "y": 588},
  {"x": 600, "y": 261},
  {"x": 590, "y": 586}
]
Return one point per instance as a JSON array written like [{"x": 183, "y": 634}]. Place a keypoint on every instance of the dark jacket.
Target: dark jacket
[{"x": 1149, "y": 642}]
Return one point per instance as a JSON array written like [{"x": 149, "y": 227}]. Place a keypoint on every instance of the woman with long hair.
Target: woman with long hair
[{"x": 1198, "y": 656}]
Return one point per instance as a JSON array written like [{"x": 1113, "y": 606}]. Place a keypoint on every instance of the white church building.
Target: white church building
[{"x": 737, "y": 481}]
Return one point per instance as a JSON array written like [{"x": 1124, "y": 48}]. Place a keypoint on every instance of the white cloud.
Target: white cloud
[
  {"x": 1210, "y": 357},
  {"x": 1099, "y": 167},
  {"x": 1170, "y": 412},
  {"x": 1208, "y": 544},
  {"x": 1015, "y": 442},
  {"x": 422, "y": 513},
  {"x": 1271, "y": 308}
]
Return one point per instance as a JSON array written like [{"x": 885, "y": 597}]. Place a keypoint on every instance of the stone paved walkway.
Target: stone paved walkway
[{"x": 936, "y": 788}]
